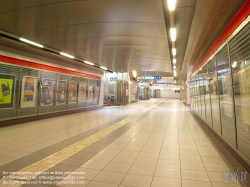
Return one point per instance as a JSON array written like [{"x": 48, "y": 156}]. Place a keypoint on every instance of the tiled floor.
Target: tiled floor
[{"x": 158, "y": 144}]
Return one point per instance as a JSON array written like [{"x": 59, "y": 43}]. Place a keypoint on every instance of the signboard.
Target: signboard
[
  {"x": 151, "y": 77},
  {"x": 47, "y": 92},
  {"x": 28, "y": 92},
  {"x": 163, "y": 84},
  {"x": 113, "y": 79},
  {"x": 72, "y": 92},
  {"x": 82, "y": 93},
  {"x": 7, "y": 87},
  {"x": 166, "y": 89},
  {"x": 61, "y": 92}
]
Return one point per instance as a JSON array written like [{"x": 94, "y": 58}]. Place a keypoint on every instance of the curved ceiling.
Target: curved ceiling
[{"x": 122, "y": 35}]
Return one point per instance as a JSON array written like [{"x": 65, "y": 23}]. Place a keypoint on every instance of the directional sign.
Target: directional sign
[
  {"x": 113, "y": 79},
  {"x": 151, "y": 77}
]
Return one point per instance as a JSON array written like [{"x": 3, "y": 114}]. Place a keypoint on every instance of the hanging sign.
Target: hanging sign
[{"x": 151, "y": 77}]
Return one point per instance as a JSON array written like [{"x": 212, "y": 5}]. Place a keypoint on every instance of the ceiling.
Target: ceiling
[{"x": 122, "y": 35}]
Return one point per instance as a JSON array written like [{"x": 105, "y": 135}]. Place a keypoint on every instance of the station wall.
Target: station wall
[{"x": 28, "y": 88}]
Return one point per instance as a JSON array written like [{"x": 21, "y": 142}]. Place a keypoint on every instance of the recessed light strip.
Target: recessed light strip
[
  {"x": 49, "y": 49},
  {"x": 171, "y": 4},
  {"x": 174, "y": 51},
  {"x": 173, "y": 34},
  {"x": 175, "y": 73},
  {"x": 89, "y": 63},
  {"x": 32, "y": 43},
  {"x": 174, "y": 61},
  {"x": 103, "y": 68},
  {"x": 67, "y": 55}
]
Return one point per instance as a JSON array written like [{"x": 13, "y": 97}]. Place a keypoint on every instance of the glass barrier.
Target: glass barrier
[
  {"x": 225, "y": 95},
  {"x": 215, "y": 103},
  {"x": 207, "y": 98},
  {"x": 240, "y": 63},
  {"x": 29, "y": 92},
  {"x": 9, "y": 86}
]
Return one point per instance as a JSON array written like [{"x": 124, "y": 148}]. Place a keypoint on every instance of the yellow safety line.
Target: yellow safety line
[{"x": 56, "y": 158}]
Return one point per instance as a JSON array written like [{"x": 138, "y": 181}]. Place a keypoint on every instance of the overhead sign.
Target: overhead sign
[
  {"x": 113, "y": 79},
  {"x": 163, "y": 84},
  {"x": 151, "y": 77}
]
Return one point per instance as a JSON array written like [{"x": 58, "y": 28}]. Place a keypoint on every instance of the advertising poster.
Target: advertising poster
[
  {"x": 7, "y": 83},
  {"x": 29, "y": 92},
  {"x": 82, "y": 92},
  {"x": 72, "y": 92},
  {"x": 96, "y": 93},
  {"x": 61, "y": 92},
  {"x": 90, "y": 92},
  {"x": 47, "y": 92}
]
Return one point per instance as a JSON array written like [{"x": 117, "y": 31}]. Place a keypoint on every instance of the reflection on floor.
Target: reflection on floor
[{"x": 155, "y": 143}]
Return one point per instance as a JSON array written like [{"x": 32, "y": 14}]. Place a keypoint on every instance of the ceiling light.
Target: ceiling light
[
  {"x": 173, "y": 34},
  {"x": 32, "y": 43},
  {"x": 67, "y": 55},
  {"x": 103, "y": 68},
  {"x": 234, "y": 64},
  {"x": 171, "y": 4},
  {"x": 89, "y": 63},
  {"x": 174, "y": 51},
  {"x": 134, "y": 74},
  {"x": 174, "y": 73},
  {"x": 174, "y": 61},
  {"x": 174, "y": 67}
]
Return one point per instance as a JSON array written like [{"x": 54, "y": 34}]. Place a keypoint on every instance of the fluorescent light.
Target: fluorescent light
[
  {"x": 67, "y": 55},
  {"x": 134, "y": 74},
  {"x": 89, "y": 63},
  {"x": 174, "y": 67},
  {"x": 174, "y": 51},
  {"x": 174, "y": 61},
  {"x": 32, "y": 43},
  {"x": 173, "y": 34},
  {"x": 103, "y": 68},
  {"x": 174, "y": 73},
  {"x": 234, "y": 64},
  {"x": 171, "y": 4}
]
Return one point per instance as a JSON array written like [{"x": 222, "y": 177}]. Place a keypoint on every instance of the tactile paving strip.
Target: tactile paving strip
[{"x": 34, "y": 169}]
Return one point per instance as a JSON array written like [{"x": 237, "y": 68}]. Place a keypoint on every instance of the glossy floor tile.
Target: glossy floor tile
[{"x": 154, "y": 143}]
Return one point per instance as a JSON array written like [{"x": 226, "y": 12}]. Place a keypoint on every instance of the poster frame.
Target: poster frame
[
  {"x": 13, "y": 91},
  {"x": 86, "y": 87},
  {"x": 65, "y": 94},
  {"x": 92, "y": 87},
  {"x": 35, "y": 92},
  {"x": 96, "y": 98},
  {"x": 41, "y": 90},
  {"x": 70, "y": 102}
]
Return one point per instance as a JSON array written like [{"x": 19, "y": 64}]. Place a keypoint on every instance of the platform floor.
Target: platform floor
[{"x": 155, "y": 143}]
